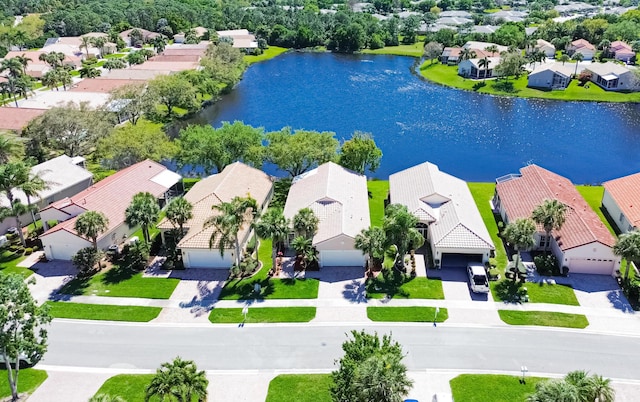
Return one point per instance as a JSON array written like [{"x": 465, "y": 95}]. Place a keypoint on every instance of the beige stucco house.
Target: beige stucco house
[{"x": 621, "y": 199}]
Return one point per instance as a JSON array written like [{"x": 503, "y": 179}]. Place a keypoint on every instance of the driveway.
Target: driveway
[
  {"x": 50, "y": 277},
  {"x": 455, "y": 284}
]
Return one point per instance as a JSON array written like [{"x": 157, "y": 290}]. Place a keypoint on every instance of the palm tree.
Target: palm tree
[
  {"x": 381, "y": 378},
  {"x": 229, "y": 219},
  {"x": 371, "y": 242},
  {"x": 159, "y": 43},
  {"x": 13, "y": 175},
  {"x": 99, "y": 42},
  {"x": 91, "y": 224},
  {"x": 274, "y": 225},
  {"x": 64, "y": 77},
  {"x": 24, "y": 61},
  {"x": 555, "y": 391},
  {"x": 578, "y": 57},
  {"x": 10, "y": 148},
  {"x": 466, "y": 54},
  {"x": 399, "y": 226},
  {"x": 32, "y": 187},
  {"x": 628, "y": 247},
  {"x": 305, "y": 223},
  {"x": 13, "y": 66},
  {"x": 564, "y": 58},
  {"x": 179, "y": 379},
  {"x": 484, "y": 62},
  {"x": 85, "y": 41},
  {"x": 601, "y": 389},
  {"x": 50, "y": 79},
  {"x": 89, "y": 71},
  {"x": 143, "y": 211},
  {"x": 492, "y": 49},
  {"x": 581, "y": 380},
  {"x": 179, "y": 211},
  {"x": 551, "y": 215},
  {"x": 520, "y": 235}
]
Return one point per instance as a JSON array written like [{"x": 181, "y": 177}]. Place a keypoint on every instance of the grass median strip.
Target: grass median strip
[
  {"x": 103, "y": 312},
  {"x": 300, "y": 388},
  {"x": 543, "y": 318},
  {"x": 407, "y": 314},
  {"x": 492, "y": 387},
  {"x": 29, "y": 380},
  {"x": 130, "y": 387},
  {"x": 262, "y": 315}
]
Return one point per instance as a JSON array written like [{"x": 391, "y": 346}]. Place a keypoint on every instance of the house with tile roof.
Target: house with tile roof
[
  {"x": 621, "y": 199},
  {"x": 16, "y": 118},
  {"x": 340, "y": 200},
  {"x": 449, "y": 218},
  {"x": 583, "y": 244},
  {"x": 613, "y": 77},
  {"x": 583, "y": 47},
  {"x": 235, "y": 180},
  {"x": 111, "y": 196},
  {"x": 622, "y": 51}
]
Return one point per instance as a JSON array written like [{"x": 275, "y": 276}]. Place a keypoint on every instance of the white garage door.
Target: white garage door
[
  {"x": 341, "y": 258},
  {"x": 591, "y": 266},
  {"x": 63, "y": 252},
  {"x": 206, "y": 259}
]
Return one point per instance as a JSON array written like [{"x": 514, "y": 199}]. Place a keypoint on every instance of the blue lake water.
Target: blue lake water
[{"x": 476, "y": 137}]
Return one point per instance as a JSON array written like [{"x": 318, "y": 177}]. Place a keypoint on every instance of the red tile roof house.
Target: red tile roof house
[
  {"x": 583, "y": 244},
  {"x": 582, "y": 46},
  {"x": 622, "y": 51},
  {"x": 110, "y": 196},
  {"x": 235, "y": 180},
  {"x": 621, "y": 199}
]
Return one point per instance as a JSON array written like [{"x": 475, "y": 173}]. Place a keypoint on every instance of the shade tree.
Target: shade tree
[
  {"x": 299, "y": 151},
  {"x": 360, "y": 153}
]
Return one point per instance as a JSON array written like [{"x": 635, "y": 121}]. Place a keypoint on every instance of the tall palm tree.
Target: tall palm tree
[
  {"x": 520, "y": 235},
  {"x": 179, "y": 379},
  {"x": 50, "y": 79},
  {"x": 144, "y": 212},
  {"x": 159, "y": 43},
  {"x": 556, "y": 390},
  {"x": 91, "y": 224},
  {"x": 628, "y": 247},
  {"x": 601, "y": 389},
  {"x": 484, "y": 62},
  {"x": 371, "y": 242},
  {"x": 578, "y": 57},
  {"x": 492, "y": 49},
  {"x": 228, "y": 220},
  {"x": 274, "y": 225},
  {"x": 564, "y": 58},
  {"x": 466, "y": 54},
  {"x": 13, "y": 175},
  {"x": 305, "y": 223},
  {"x": 399, "y": 226},
  {"x": 64, "y": 77},
  {"x": 13, "y": 66},
  {"x": 381, "y": 378},
  {"x": 24, "y": 61},
  {"x": 179, "y": 211},
  {"x": 551, "y": 214},
  {"x": 99, "y": 42},
  {"x": 32, "y": 188},
  {"x": 85, "y": 41}
]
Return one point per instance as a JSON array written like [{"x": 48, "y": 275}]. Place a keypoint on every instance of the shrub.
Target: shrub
[
  {"x": 546, "y": 264},
  {"x": 86, "y": 259},
  {"x": 479, "y": 85},
  {"x": 136, "y": 255},
  {"x": 584, "y": 77},
  {"x": 11, "y": 236},
  {"x": 251, "y": 245},
  {"x": 28, "y": 251},
  {"x": 247, "y": 266},
  {"x": 35, "y": 248}
]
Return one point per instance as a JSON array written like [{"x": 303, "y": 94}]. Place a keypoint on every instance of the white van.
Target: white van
[{"x": 478, "y": 281}]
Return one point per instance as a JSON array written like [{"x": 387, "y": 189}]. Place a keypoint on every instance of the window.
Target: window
[
  {"x": 621, "y": 217},
  {"x": 544, "y": 241}
]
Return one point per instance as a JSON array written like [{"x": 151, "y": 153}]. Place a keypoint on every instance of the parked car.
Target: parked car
[
  {"x": 478, "y": 281},
  {"x": 25, "y": 361}
]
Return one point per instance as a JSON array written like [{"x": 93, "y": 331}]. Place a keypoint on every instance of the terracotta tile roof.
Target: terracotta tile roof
[
  {"x": 113, "y": 195},
  {"x": 520, "y": 195},
  {"x": 184, "y": 52},
  {"x": 619, "y": 45},
  {"x": 102, "y": 86},
  {"x": 625, "y": 191},
  {"x": 166, "y": 66},
  {"x": 581, "y": 43},
  {"x": 189, "y": 58},
  {"x": 12, "y": 118},
  {"x": 236, "y": 180}
]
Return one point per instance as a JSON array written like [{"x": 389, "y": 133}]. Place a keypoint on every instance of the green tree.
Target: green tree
[
  {"x": 360, "y": 153},
  {"x": 305, "y": 223},
  {"x": 564, "y": 58},
  {"x": 577, "y": 57},
  {"x": 144, "y": 212},
  {"x": 86, "y": 259},
  {"x": 91, "y": 224},
  {"x": 106, "y": 398},
  {"x": 551, "y": 214},
  {"x": 89, "y": 71},
  {"x": 134, "y": 98},
  {"x": 484, "y": 63},
  {"x": 370, "y": 370},
  {"x": 273, "y": 224},
  {"x": 11, "y": 148},
  {"x": 601, "y": 390},
  {"x": 32, "y": 188},
  {"x": 433, "y": 50},
  {"x": 179, "y": 211},
  {"x": 555, "y": 390},
  {"x": 179, "y": 379},
  {"x": 400, "y": 230},
  {"x": 297, "y": 152},
  {"x": 12, "y": 176},
  {"x": 510, "y": 65},
  {"x": 520, "y": 235},
  {"x": 371, "y": 241},
  {"x": 99, "y": 42},
  {"x": 22, "y": 326},
  {"x": 173, "y": 91},
  {"x": 228, "y": 220},
  {"x": 114, "y": 64},
  {"x": 628, "y": 247}
]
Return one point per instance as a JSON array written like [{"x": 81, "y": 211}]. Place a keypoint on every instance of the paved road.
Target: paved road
[{"x": 314, "y": 347}]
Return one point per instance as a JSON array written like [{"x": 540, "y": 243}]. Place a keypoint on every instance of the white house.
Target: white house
[
  {"x": 550, "y": 76},
  {"x": 583, "y": 47},
  {"x": 235, "y": 180},
  {"x": 622, "y": 51},
  {"x": 241, "y": 38},
  {"x": 472, "y": 68},
  {"x": 621, "y": 199},
  {"x": 111, "y": 196},
  {"x": 583, "y": 244},
  {"x": 546, "y": 47},
  {"x": 64, "y": 176},
  {"x": 449, "y": 218},
  {"x": 613, "y": 76},
  {"x": 340, "y": 200},
  {"x": 475, "y": 45}
]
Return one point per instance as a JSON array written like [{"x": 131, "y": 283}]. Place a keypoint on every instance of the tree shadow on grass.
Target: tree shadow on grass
[
  {"x": 389, "y": 283},
  {"x": 75, "y": 287},
  {"x": 245, "y": 290},
  {"x": 509, "y": 291},
  {"x": 117, "y": 274}
]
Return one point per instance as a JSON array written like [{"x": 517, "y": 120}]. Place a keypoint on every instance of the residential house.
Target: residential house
[
  {"x": 339, "y": 198},
  {"x": 550, "y": 76},
  {"x": 147, "y": 36},
  {"x": 450, "y": 55},
  {"x": 36, "y": 68},
  {"x": 111, "y": 196},
  {"x": 621, "y": 199},
  {"x": 17, "y": 118},
  {"x": 235, "y": 180},
  {"x": 583, "y": 47},
  {"x": 622, "y": 51},
  {"x": 453, "y": 21},
  {"x": 583, "y": 244},
  {"x": 482, "y": 46},
  {"x": 613, "y": 76},
  {"x": 449, "y": 218},
  {"x": 471, "y": 68},
  {"x": 64, "y": 176},
  {"x": 455, "y": 13},
  {"x": 547, "y": 48},
  {"x": 241, "y": 38},
  {"x": 509, "y": 15}
]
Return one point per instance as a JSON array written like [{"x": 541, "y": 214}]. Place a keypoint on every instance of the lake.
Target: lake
[{"x": 472, "y": 136}]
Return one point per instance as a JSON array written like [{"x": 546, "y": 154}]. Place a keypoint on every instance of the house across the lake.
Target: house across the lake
[
  {"x": 550, "y": 76},
  {"x": 613, "y": 76},
  {"x": 621, "y": 199},
  {"x": 475, "y": 69}
]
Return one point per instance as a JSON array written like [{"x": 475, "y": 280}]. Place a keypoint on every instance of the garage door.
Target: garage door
[
  {"x": 63, "y": 251},
  {"x": 453, "y": 260},
  {"x": 591, "y": 266},
  {"x": 207, "y": 259},
  {"x": 341, "y": 258}
]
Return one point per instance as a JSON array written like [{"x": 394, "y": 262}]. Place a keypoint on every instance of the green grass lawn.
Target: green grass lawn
[
  {"x": 412, "y": 288},
  {"x": 483, "y": 193},
  {"x": 407, "y": 314},
  {"x": 300, "y": 388},
  {"x": 9, "y": 264},
  {"x": 121, "y": 282},
  {"x": 103, "y": 312},
  {"x": 130, "y": 387},
  {"x": 268, "y": 54},
  {"x": 538, "y": 292},
  {"x": 114, "y": 55},
  {"x": 262, "y": 315},
  {"x": 28, "y": 381},
  {"x": 414, "y": 50},
  {"x": 543, "y": 318},
  {"x": 593, "y": 196},
  {"x": 448, "y": 76},
  {"x": 378, "y": 191},
  {"x": 153, "y": 230},
  {"x": 492, "y": 387}
]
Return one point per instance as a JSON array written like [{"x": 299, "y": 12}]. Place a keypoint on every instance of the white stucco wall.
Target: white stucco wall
[
  {"x": 542, "y": 79},
  {"x": 595, "y": 254},
  {"x": 615, "y": 212},
  {"x": 203, "y": 258},
  {"x": 62, "y": 245},
  {"x": 341, "y": 242}
]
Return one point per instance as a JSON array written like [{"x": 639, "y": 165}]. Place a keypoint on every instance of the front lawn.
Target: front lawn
[
  {"x": 492, "y": 387},
  {"x": 130, "y": 387},
  {"x": 543, "y": 318},
  {"x": 482, "y": 194},
  {"x": 506, "y": 289},
  {"x": 407, "y": 314},
  {"x": 405, "y": 288},
  {"x": 28, "y": 381},
  {"x": 378, "y": 191},
  {"x": 262, "y": 315},
  {"x": 300, "y": 388},
  {"x": 414, "y": 50},
  {"x": 121, "y": 282},
  {"x": 103, "y": 312},
  {"x": 268, "y": 54},
  {"x": 9, "y": 264}
]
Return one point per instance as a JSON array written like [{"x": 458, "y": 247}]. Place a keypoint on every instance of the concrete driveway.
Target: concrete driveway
[
  {"x": 50, "y": 277},
  {"x": 455, "y": 284}
]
